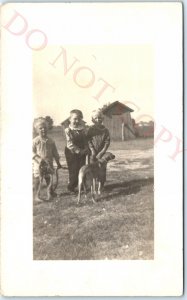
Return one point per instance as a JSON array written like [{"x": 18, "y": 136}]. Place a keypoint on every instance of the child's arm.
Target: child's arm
[
  {"x": 35, "y": 156},
  {"x": 90, "y": 143},
  {"x": 106, "y": 145},
  {"x": 56, "y": 156},
  {"x": 70, "y": 145},
  {"x": 92, "y": 149}
]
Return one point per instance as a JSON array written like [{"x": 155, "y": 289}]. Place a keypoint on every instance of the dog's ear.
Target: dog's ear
[{"x": 111, "y": 155}]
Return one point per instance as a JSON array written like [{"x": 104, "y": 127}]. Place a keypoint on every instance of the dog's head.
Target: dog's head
[
  {"x": 106, "y": 158},
  {"x": 45, "y": 167}
]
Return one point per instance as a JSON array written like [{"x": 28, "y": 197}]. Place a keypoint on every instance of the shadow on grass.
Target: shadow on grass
[{"x": 125, "y": 188}]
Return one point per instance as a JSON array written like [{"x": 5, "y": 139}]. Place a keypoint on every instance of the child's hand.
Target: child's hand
[
  {"x": 99, "y": 155},
  {"x": 37, "y": 158}
]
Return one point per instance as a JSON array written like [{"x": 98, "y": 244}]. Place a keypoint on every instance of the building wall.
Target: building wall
[
  {"x": 129, "y": 132},
  {"x": 118, "y": 131}
]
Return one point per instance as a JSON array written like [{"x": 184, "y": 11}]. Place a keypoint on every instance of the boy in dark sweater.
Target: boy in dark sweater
[{"x": 76, "y": 148}]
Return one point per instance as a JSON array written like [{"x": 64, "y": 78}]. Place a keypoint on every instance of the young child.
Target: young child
[
  {"x": 98, "y": 140},
  {"x": 76, "y": 148},
  {"x": 43, "y": 148}
]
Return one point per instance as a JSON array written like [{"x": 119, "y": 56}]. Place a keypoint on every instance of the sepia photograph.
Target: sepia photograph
[
  {"x": 92, "y": 149},
  {"x": 93, "y": 158}
]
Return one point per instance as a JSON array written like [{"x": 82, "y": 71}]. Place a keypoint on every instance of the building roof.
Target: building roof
[{"x": 117, "y": 108}]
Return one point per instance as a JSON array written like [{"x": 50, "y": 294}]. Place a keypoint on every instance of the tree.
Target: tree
[
  {"x": 105, "y": 106},
  {"x": 49, "y": 121}
]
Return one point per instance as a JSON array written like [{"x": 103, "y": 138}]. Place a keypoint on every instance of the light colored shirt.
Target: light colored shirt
[
  {"x": 45, "y": 148},
  {"x": 76, "y": 139}
]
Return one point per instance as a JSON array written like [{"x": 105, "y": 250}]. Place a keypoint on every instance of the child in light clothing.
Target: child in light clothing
[
  {"x": 43, "y": 147},
  {"x": 98, "y": 140},
  {"x": 76, "y": 148}
]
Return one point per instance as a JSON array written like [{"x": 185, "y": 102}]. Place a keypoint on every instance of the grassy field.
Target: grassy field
[{"x": 119, "y": 226}]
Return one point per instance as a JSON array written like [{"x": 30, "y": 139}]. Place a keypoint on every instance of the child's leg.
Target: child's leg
[
  {"x": 103, "y": 176},
  {"x": 73, "y": 168},
  {"x": 36, "y": 181},
  {"x": 36, "y": 186}
]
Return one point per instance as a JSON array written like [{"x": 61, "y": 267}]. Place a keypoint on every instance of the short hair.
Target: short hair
[
  {"x": 38, "y": 122},
  {"x": 96, "y": 113},
  {"x": 77, "y": 112}
]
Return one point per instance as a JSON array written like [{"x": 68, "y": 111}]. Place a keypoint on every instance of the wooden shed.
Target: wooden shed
[{"x": 117, "y": 118}]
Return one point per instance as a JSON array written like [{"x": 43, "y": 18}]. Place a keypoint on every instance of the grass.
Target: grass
[{"x": 119, "y": 226}]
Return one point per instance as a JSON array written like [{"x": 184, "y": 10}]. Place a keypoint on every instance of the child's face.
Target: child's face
[
  {"x": 97, "y": 120},
  {"x": 75, "y": 120},
  {"x": 42, "y": 130}
]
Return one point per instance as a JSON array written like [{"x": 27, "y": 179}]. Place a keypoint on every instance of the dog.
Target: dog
[
  {"x": 90, "y": 174},
  {"x": 45, "y": 172}
]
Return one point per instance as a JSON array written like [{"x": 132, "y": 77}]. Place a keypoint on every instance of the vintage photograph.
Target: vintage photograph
[
  {"x": 93, "y": 157},
  {"x": 92, "y": 149}
]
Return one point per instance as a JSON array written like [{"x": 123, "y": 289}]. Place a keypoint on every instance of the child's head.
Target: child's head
[
  {"x": 41, "y": 127},
  {"x": 75, "y": 118},
  {"x": 97, "y": 117}
]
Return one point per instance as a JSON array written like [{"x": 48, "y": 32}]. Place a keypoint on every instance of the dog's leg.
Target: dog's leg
[
  {"x": 85, "y": 191},
  {"x": 99, "y": 187},
  {"x": 49, "y": 180},
  {"x": 79, "y": 190},
  {"x": 92, "y": 193},
  {"x": 94, "y": 185},
  {"x": 49, "y": 188}
]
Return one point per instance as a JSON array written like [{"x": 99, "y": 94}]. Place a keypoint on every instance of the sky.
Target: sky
[{"x": 86, "y": 77}]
